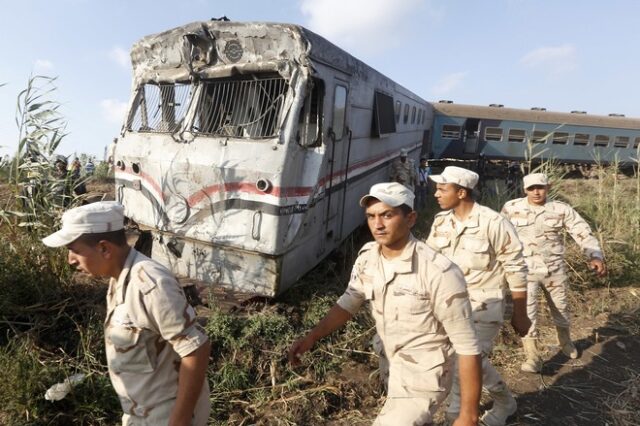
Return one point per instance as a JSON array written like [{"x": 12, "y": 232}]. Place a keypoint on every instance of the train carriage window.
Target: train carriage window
[
  {"x": 383, "y": 115},
  {"x": 493, "y": 134},
  {"x": 413, "y": 115},
  {"x": 339, "y": 111},
  {"x": 601, "y": 140},
  {"x": 516, "y": 135},
  {"x": 450, "y": 131},
  {"x": 539, "y": 136},
  {"x": 621, "y": 142},
  {"x": 405, "y": 119},
  {"x": 243, "y": 107},
  {"x": 581, "y": 139},
  {"x": 398, "y": 110},
  {"x": 636, "y": 143},
  {"x": 310, "y": 120},
  {"x": 160, "y": 108},
  {"x": 419, "y": 116},
  {"x": 424, "y": 112},
  {"x": 560, "y": 138}
]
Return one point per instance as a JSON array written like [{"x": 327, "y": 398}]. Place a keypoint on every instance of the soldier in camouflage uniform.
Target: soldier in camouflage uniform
[
  {"x": 419, "y": 302},
  {"x": 485, "y": 246},
  {"x": 157, "y": 353},
  {"x": 403, "y": 170},
  {"x": 540, "y": 225}
]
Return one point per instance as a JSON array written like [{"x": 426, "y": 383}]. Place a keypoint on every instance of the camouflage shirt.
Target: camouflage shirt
[
  {"x": 485, "y": 246},
  {"x": 541, "y": 230},
  {"x": 149, "y": 327},
  {"x": 421, "y": 309},
  {"x": 404, "y": 173}
]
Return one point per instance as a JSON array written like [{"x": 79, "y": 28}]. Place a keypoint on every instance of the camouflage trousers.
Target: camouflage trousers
[
  {"x": 554, "y": 288},
  {"x": 161, "y": 413},
  {"x": 412, "y": 399}
]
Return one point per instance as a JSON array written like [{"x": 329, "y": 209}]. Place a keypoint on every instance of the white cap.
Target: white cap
[
  {"x": 452, "y": 174},
  {"x": 95, "y": 218},
  {"x": 404, "y": 152},
  {"x": 391, "y": 193},
  {"x": 535, "y": 179}
]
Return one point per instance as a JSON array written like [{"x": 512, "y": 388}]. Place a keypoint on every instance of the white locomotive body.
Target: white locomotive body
[{"x": 247, "y": 147}]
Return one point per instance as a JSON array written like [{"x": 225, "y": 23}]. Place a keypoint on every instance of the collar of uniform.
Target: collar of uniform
[
  {"x": 472, "y": 221},
  {"x": 124, "y": 274},
  {"x": 403, "y": 263}
]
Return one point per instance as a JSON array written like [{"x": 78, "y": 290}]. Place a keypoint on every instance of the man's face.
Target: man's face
[
  {"x": 389, "y": 226},
  {"x": 403, "y": 158},
  {"x": 423, "y": 163},
  {"x": 537, "y": 194},
  {"x": 88, "y": 259},
  {"x": 448, "y": 195}
]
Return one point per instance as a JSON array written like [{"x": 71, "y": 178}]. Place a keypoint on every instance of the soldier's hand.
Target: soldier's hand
[
  {"x": 521, "y": 324},
  {"x": 598, "y": 266},
  {"x": 299, "y": 348}
]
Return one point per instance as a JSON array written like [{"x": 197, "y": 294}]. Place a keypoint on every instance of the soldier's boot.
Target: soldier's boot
[
  {"x": 504, "y": 405},
  {"x": 566, "y": 345},
  {"x": 533, "y": 361}
]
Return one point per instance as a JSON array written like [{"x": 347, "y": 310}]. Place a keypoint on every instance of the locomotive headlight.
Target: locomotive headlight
[{"x": 263, "y": 185}]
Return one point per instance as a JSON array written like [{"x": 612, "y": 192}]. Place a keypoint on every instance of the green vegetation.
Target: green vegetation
[{"x": 51, "y": 319}]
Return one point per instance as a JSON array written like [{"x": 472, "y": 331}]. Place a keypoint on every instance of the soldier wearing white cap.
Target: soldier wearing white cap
[
  {"x": 419, "y": 301},
  {"x": 540, "y": 225},
  {"x": 157, "y": 354},
  {"x": 485, "y": 246},
  {"x": 403, "y": 170}
]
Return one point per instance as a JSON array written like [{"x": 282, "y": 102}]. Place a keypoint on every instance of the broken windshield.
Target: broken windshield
[
  {"x": 160, "y": 108},
  {"x": 245, "y": 107}
]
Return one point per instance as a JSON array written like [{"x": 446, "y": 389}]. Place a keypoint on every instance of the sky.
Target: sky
[{"x": 562, "y": 55}]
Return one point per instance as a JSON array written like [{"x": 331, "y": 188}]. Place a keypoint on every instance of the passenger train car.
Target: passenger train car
[
  {"x": 495, "y": 132},
  {"x": 248, "y": 145}
]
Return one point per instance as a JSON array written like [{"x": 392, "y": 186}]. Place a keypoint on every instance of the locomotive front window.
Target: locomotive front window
[
  {"x": 160, "y": 108},
  {"x": 249, "y": 107}
]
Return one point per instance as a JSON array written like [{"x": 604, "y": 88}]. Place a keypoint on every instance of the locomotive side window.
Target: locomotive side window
[
  {"x": 601, "y": 140},
  {"x": 450, "y": 131},
  {"x": 560, "y": 138},
  {"x": 539, "y": 136},
  {"x": 636, "y": 143},
  {"x": 383, "y": 120},
  {"x": 493, "y": 134},
  {"x": 621, "y": 141},
  {"x": 310, "y": 120},
  {"x": 405, "y": 120},
  {"x": 581, "y": 139},
  {"x": 160, "y": 108},
  {"x": 516, "y": 135},
  {"x": 398, "y": 109},
  {"x": 339, "y": 111}
]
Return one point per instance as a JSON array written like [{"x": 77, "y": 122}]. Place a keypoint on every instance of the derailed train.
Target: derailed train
[{"x": 247, "y": 146}]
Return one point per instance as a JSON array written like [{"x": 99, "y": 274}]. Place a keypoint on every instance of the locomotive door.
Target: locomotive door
[
  {"x": 471, "y": 135},
  {"x": 337, "y": 146}
]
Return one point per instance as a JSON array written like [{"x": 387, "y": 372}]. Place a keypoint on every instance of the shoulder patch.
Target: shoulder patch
[{"x": 145, "y": 282}]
